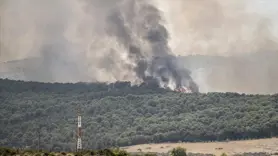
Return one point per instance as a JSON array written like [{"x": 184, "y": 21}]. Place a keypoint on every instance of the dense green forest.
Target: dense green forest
[{"x": 120, "y": 114}]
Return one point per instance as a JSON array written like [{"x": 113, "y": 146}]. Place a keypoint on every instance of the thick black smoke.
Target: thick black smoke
[
  {"x": 92, "y": 40},
  {"x": 158, "y": 63},
  {"x": 128, "y": 40}
]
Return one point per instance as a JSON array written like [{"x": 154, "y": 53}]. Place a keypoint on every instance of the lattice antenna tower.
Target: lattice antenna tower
[{"x": 79, "y": 141}]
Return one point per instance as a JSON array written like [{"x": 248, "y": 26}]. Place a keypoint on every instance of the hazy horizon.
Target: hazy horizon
[{"x": 80, "y": 40}]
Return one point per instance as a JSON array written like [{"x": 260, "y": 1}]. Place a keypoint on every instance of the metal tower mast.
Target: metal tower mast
[{"x": 79, "y": 143}]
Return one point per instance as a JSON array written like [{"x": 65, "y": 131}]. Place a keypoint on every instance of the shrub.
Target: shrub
[
  {"x": 223, "y": 154},
  {"x": 179, "y": 151}
]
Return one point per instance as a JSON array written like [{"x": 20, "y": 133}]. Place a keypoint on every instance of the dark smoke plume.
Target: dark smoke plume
[
  {"x": 95, "y": 40},
  {"x": 142, "y": 40},
  {"x": 162, "y": 65}
]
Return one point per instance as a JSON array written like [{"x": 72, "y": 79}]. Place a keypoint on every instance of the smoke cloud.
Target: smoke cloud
[
  {"x": 237, "y": 38},
  {"x": 133, "y": 40},
  {"x": 123, "y": 40}
]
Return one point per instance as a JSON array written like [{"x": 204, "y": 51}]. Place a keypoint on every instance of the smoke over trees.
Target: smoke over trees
[
  {"x": 131, "y": 40},
  {"x": 136, "y": 26},
  {"x": 142, "y": 22}
]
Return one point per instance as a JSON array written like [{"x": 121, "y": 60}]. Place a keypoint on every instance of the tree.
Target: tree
[
  {"x": 223, "y": 154},
  {"x": 179, "y": 151},
  {"x": 128, "y": 115}
]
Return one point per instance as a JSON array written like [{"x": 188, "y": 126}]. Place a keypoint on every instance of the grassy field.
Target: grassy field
[{"x": 217, "y": 148}]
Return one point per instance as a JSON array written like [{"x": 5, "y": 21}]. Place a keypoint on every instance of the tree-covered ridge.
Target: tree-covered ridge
[{"x": 126, "y": 115}]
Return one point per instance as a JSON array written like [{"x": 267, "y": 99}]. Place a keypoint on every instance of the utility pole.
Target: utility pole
[{"x": 79, "y": 142}]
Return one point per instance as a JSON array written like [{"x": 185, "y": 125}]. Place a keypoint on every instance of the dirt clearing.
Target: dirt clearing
[{"x": 217, "y": 148}]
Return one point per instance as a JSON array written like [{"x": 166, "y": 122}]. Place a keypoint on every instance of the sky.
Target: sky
[
  {"x": 269, "y": 8},
  {"x": 78, "y": 33}
]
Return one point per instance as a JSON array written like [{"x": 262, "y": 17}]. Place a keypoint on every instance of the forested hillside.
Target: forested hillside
[{"x": 120, "y": 114}]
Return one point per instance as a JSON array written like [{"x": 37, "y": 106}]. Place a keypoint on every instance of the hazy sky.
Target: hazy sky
[
  {"x": 266, "y": 6},
  {"x": 82, "y": 32},
  {"x": 269, "y": 8}
]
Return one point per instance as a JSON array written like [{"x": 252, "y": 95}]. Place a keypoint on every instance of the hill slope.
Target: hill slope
[{"x": 123, "y": 115}]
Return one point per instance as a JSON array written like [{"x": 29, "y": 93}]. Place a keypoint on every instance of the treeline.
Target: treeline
[
  {"x": 102, "y": 152},
  {"x": 119, "y": 114},
  {"x": 178, "y": 151}
]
